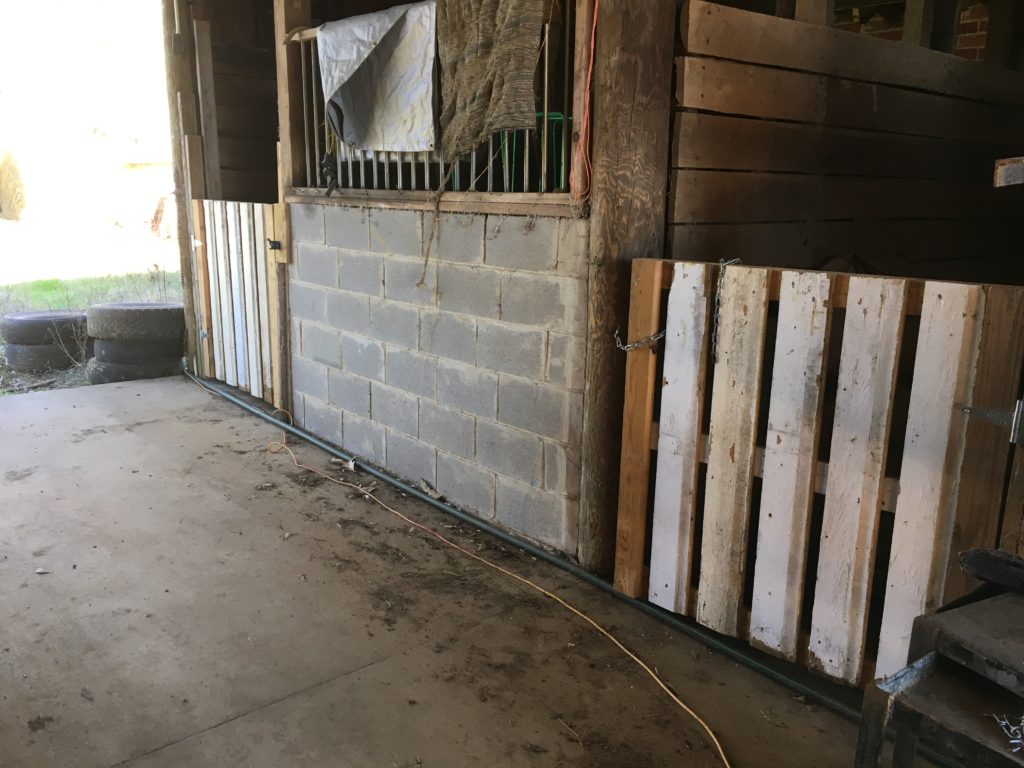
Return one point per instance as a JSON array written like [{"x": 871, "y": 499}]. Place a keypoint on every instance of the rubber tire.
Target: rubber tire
[
  {"x": 34, "y": 358},
  {"x": 134, "y": 322},
  {"x": 108, "y": 373},
  {"x": 135, "y": 352},
  {"x": 66, "y": 327}
]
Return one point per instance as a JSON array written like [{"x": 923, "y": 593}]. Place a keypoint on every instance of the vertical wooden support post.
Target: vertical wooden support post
[
  {"x": 578, "y": 177},
  {"x": 785, "y": 9},
  {"x": 631, "y": 107},
  {"x": 815, "y": 11},
  {"x": 178, "y": 76},
  {"x": 918, "y": 22},
  {"x": 288, "y": 14}
]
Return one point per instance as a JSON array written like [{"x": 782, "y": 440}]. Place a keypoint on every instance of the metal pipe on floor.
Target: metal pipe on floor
[{"x": 809, "y": 687}]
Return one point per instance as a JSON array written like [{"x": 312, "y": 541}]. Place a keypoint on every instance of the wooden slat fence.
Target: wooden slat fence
[{"x": 812, "y": 461}]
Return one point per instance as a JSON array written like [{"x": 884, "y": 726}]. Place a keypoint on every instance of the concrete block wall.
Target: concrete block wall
[{"x": 467, "y": 374}]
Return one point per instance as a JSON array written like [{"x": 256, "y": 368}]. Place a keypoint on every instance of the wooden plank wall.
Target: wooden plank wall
[{"x": 795, "y": 144}]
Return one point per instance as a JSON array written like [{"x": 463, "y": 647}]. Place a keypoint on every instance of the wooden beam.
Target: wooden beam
[
  {"x": 821, "y": 12},
  {"x": 631, "y": 106},
  {"x": 918, "y": 22},
  {"x": 579, "y": 180},
  {"x": 785, "y": 9},
  {"x": 208, "y": 109},
  {"x": 1009, "y": 172}
]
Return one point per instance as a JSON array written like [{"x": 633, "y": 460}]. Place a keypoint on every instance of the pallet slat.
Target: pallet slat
[
  {"x": 790, "y": 461},
  {"x": 734, "y": 409},
  {"x": 680, "y": 438},
  {"x": 929, "y": 482},
  {"x": 249, "y": 288}
]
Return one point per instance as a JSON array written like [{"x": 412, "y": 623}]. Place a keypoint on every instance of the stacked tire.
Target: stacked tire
[
  {"x": 43, "y": 341},
  {"x": 135, "y": 341}
]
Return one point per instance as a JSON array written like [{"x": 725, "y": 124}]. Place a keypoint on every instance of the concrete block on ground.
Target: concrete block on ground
[
  {"x": 401, "y": 281},
  {"x": 411, "y": 459},
  {"x": 362, "y": 273},
  {"x": 309, "y": 378},
  {"x": 561, "y": 470},
  {"x": 412, "y": 371},
  {"x": 468, "y": 290},
  {"x": 397, "y": 232},
  {"x": 546, "y": 517},
  {"x": 447, "y": 429},
  {"x": 348, "y": 312},
  {"x": 322, "y": 344},
  {"x": 466, "y": 484},
  {"x": 394, "y": 409},
  {"x": 510, "y": 452},
  {"x": 317, "y": 264},
  {"x": 347, "y": 227},
  {"x": 467, "y": 389},
  {"x": 324, "y": 421},
  {"x": 394, "y": 322},
  {"x": 307, "y": 222},
  {"x": 350, "y": 393},
  {"x": 567, "y": 361},
  {"x": 458, "y": 237},
  {"x": 449, "y": 336},
  {"x": 521, "y": 242},
  {"x": 511, "y": 349},
  {"x": 362, "y": 357},
  {"x": 573, "y": 247},
  {"x": 306, "y": 302},
  {"x": 537, "y": 408},
  {"x": 364, "y": 438}
]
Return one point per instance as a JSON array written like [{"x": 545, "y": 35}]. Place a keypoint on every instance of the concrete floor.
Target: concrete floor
[{"x": 180, "y": 624}]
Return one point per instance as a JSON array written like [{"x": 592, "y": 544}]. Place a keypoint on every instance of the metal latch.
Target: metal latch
[
  {"x": 274, "y": 245},
  {"x": 1013, "y": 419}
]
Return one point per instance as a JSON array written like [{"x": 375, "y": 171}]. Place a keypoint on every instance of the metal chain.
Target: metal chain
[
  {"x": 646, "y": 341},
  {"x": 718, "y": 305}
]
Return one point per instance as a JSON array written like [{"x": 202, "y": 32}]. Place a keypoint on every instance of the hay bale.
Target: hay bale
[{"x": 12, "y": 191}]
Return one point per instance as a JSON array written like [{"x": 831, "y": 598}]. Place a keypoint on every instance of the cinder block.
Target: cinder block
[
  {"x": 458, "y": 237},
  {"x": 309, "y": 378},
  {"x": 412, "y": 371},
  {"x": 548, "y": 302},
  {"x": 317, "y": 264},
  {"x": 573, "y": 247},
  {"x": 567, "y": 361},
  {"x": 394, "y": 409},
  {"x": 298, "y": 412},
  {"x": 537, "y": 408},
  {"x": 397, "y": 232},
  {"x": 347, "y": 227},
  {"x": 511, "y": 349},
  {"x": 348, "y": 312},
  {"x": 321, "y": 344},
  {"x": 466, "y": 484},
  {"x": 520, "y": 242},
  {"x": 467, "y": 389},
  {"x": 444, "y": 428},
  {"x": 307, "y": 222},
  {"x": 401, "y": 281},
  {"x": 448, "y": 336},
  {"x": 561, "y": 470},
  {"x": 363, "y": 357},
  {"x": 411, "y": 459},
  {"x": 510, "y": 452},
  {"x": 364, "y": 438},
  {"x": 324, "y": 421},
  {"x": 350, "y": 393},
  {"x": 469, "y": 290},
  {"x": 545, "y": 517},
  {"x": 306, "y": 302},
  {"x": 362, "y": 273},
  {"x": 394, "y": 322}
]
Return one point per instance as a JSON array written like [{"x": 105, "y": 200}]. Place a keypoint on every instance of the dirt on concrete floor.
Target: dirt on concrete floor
[{"x": 205, "y": 603}]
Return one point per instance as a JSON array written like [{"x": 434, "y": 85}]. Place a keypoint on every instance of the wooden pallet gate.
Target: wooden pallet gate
[{"x": 806, "y": 422}]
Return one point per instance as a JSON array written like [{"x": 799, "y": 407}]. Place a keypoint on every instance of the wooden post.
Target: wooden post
[
  {"x": 816, "y": 11},
  {"x": 178, "y": 76},
  {"x": 785, "y": 9},
  {"x": 918, "y": 22},
  {"x": 631, "y": 106},
  {"x": 579, "y": 183}
]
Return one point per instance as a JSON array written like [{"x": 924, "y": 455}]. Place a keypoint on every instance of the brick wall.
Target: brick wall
[
  {"x": 473, "y": 381},
  {"x": 887, "y": 22}
]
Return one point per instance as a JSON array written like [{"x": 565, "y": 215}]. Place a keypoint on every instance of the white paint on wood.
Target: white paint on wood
[
  {"x": 262, "y": 299},
  {"x": 944, "y": 370},
  {"x": 252, "y": 329},
  {"x": 237, "y": 294},
  {"x": 680, "y": 438},
  {"x": 790, "y": 461},
  {"x": 212, "y": 245},
  {"x": 734, "y": 408},
  {"x": 227, "y": 324},
  {"x": 872, "y": 335}
]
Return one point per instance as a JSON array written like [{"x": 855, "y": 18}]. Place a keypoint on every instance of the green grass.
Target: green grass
[{"x": 155, "y": 285}]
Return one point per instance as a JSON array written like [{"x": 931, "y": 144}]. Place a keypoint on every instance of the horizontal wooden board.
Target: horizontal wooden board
[
  {"x": 716, "y": 30},
  {"x": 728, "y": 196},
  {"x": 238, "y": 91},
  {"x": 249, "y": 62},
  {"x": 248, "y": 155},
  {"x": 723, "y": 142},
  {"x": 729, "y": 87},
  {"x": 246, "y": 123},
  {"x": 249, "y": 186}
]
